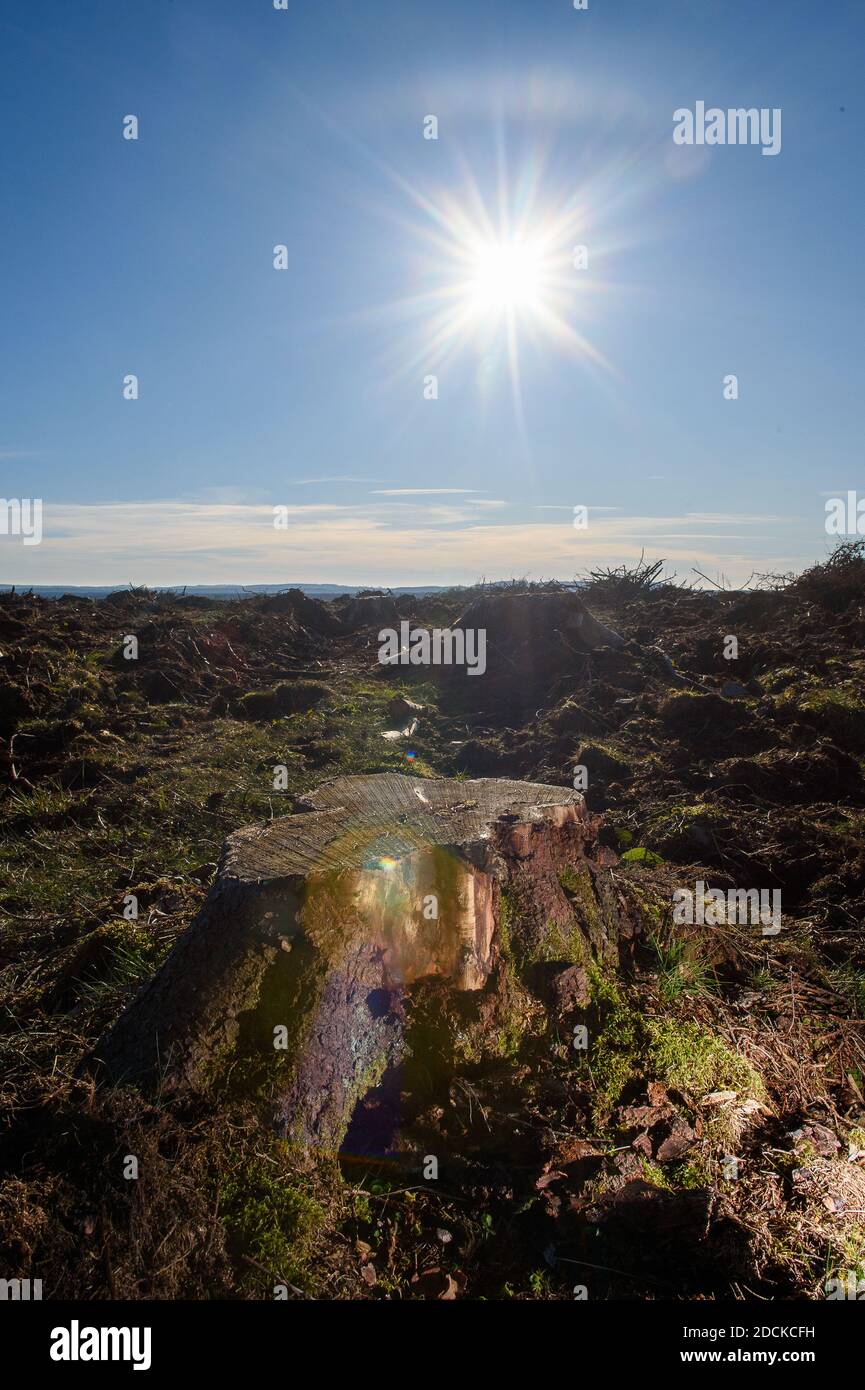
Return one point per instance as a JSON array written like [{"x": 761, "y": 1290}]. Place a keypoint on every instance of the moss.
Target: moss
[
  {"x": 517, "y": 1012},
  {"x": 839, "y": 711},
  {"x": 694, "y": 1061},
  {"x": 687, "y": 713},
  {"x": 112, "y": 961},
  {"x": 856, "y": 1139},
  {"x": 268, "y": 1219},
  {"x": 651, "y": 901},
  {"x": 695, "y": 810},
  {"x": 655, "y": 1175},
  {"x": 562, "y": 941},
  {"x": 614, "y": 1061},
  {"x": 623, "y": 1046},
  {"x": 523, "y": 1017},
  {"x": 615, "y": 1042},
  {"x": 604, "y": 989},
  {"x": 681, "y": 832},
  {"x": 782, "y": 678},
  {"x": 695, "y": 1172},
  {"x": 517, "y": 1015},
  {"x": 366, "y": 1082},
  {"x": 506, "y": 915},
  {"x": 589, "y": 926},
  {"x": 642, "y": 856}
]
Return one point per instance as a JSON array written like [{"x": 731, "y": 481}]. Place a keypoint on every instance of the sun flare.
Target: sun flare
[
  {"x": 507, "y": 276},
  {"x": 503, "y": 276}
]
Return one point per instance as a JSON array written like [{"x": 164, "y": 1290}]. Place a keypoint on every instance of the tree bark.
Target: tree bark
[{"x": 303, "y": 956}]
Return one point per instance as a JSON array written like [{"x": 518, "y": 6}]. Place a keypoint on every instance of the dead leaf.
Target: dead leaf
[
  {"x": 436, "y": 1283},
  {"x": 719, "y": 1097},
  {"x": 546, "y": 1178}
]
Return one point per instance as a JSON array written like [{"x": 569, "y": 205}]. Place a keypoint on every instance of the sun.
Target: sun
[
  {"x": 501, "y": 274},
  {"x": 505, "y": 279},
  {"x": 507, "y": 276}
]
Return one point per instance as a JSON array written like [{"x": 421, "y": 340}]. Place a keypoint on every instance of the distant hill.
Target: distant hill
[{"x": 225, "y": 591}]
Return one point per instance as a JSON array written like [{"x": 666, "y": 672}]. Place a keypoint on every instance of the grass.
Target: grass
[
  {"x": 849, "y": 980},
  {"x": 129, "y": 959},
  {"x": 840, "y": 712},
  {"x": 681, "y": 971}
]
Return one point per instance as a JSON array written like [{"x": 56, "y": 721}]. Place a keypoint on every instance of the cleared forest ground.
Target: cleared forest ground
[{"x": 710, "y": 1142}]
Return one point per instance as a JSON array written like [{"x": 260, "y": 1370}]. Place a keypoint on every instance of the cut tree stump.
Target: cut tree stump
[{"x": 303, "y": 956}]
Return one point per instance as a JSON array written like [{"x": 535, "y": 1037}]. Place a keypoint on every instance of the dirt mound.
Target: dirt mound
[
  {"x": 533, "y": 641},
  {"x": 369, "y": 610},
  {"x": 309, "y": 612},
  {"x": 534, "y": 620},
  {"x": 824, "y": 773},
  {"x": 288, "y": 697}
]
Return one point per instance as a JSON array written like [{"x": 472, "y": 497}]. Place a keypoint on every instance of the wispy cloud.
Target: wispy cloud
[
  {"x": 421, "y": 491},
  {"x": 170, "y": 542},
  {"x": 334, "y": 478}
]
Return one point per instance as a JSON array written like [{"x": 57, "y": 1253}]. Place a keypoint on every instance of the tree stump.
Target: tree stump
[{"x": 318, "y": 925}]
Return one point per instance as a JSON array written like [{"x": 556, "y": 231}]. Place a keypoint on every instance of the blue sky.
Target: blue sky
[{"x": 304, "y": 388}]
